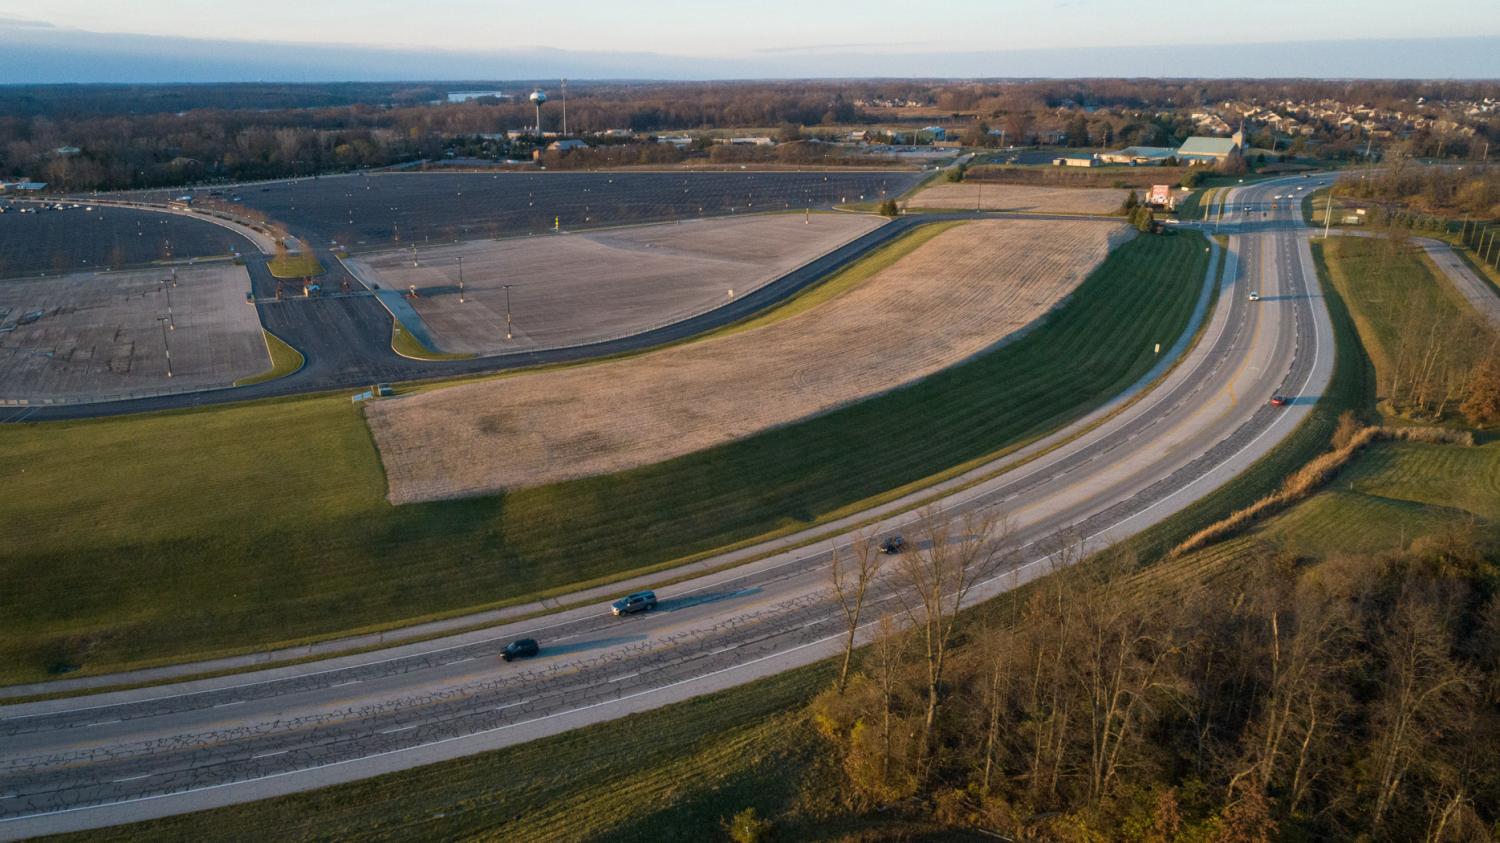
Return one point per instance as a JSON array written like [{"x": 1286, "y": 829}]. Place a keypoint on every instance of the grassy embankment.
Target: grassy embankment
[
  {"x": 1387, "y": 282},
  {"x": 299, "y": 265},
  {"x": 284, "y": 361},
  {"x": 406, "y": 344},
  {"x": 1315, "y": 209},
  {"x": 219, "y": 530},
  {"x": 754, "y": 747}
]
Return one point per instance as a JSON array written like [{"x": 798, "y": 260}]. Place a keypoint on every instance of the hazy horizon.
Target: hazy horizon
[{"x": 44, "y": 52}]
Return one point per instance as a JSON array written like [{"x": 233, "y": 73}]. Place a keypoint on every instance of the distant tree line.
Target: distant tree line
[
  {"x": 1443, "y": 190},
  {"x": 137, "y": 136}
]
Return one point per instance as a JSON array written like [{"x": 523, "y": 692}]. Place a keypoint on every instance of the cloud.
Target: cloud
[{"x": 9, "y": 22}]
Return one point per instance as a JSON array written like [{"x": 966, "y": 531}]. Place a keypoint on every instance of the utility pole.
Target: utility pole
[
  {"x": 460, "y": 279},
  {"x": 1328, "y": 215},
  {"x": 565, "y": 107}
]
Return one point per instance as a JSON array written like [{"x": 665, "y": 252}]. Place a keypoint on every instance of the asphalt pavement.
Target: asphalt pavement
[
  {"x": 345, "y": 338},
  {"x": 91, "y": 761}
]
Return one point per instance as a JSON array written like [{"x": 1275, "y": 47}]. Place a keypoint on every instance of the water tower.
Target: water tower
[{"x": 538, "y": 97}]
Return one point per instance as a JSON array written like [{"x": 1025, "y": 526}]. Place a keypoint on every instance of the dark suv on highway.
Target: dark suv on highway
[
  {"x": 522, "y": 649},
  {"x": 641, "y": 601}
]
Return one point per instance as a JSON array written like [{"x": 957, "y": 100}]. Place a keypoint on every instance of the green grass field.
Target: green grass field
[
  {"x": 161, "y": 538},
  {"x": 1388, "y": 285},
  {"x": 1193, "y": 207},
  {"x": 284, "y": 361}
]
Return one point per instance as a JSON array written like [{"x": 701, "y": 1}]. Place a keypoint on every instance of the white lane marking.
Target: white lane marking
[
  {"x": 401, "y": 729},
  {"x": 103, "y": 723},
  {"x": 623, "y": 678},
  {"x": 270, "y": 754},
  {"x": 132, "y": 778}
]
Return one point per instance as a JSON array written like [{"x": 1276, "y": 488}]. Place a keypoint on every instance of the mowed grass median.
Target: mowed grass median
[{"x": 160, "y": 538}]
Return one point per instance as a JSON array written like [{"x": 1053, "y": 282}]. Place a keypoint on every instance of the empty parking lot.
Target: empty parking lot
[
  {"x": 578, "y": 288},
  {"x": 422, "y": 208},
  {"x": 88, "y": 336}
]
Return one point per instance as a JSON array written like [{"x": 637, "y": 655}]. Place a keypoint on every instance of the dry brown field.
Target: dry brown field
[
  {"x": 1011, "y": 197},
  {"x": 576, "y": 288},
  {"x": 954, "y": 296}
]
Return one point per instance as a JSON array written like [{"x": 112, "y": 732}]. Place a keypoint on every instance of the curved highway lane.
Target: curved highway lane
[{"x": 92, "y": 761}]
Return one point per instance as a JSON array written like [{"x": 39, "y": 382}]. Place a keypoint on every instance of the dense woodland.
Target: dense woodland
[
  {"x": 152, "y": 136},
  {"x": 1358, "y": 697}
]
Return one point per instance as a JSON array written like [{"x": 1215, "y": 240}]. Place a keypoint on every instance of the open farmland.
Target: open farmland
[
  {"x": 86, "y": 336},
  {"x": 964, "y": 290},
  {"x": 53, "y": 242},
  {"x": 421, "y": 208},
  {"x": 1010, "y": 197},
  {"x": 601, "y": 284}
]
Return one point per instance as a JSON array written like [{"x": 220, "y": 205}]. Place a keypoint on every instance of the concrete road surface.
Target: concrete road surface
[
  {"x": 1480, "y": 295},
  {"x": 86, "y": 762}
]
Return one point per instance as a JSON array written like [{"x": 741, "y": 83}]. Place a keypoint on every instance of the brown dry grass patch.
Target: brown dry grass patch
[
  {"x": 954, "y": 296},
  {"x": 1012, "y": 197}
]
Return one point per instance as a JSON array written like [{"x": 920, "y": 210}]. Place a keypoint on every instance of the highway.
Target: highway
[{"x": 90, "y": 761}]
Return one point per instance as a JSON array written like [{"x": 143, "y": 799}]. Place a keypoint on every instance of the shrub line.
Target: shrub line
[{"x": 1313, "y": 476}]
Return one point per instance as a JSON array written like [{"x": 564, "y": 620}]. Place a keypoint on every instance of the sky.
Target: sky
[
  {"x": 766, "y": 27},
  {"x": 153, "y": 41}
]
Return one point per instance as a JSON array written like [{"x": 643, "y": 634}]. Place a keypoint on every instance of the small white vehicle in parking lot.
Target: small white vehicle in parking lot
[{"x": 1254, "y": 296}]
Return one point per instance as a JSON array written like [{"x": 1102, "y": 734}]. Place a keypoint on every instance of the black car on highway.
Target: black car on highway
[{"x": 525, "y": 648}]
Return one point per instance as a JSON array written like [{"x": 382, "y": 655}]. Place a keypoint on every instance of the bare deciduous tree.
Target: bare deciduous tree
[
  {"x": 937, "y": 575},
  {"x": 851, "y": 594},
  {"x": 1421, "y": 686}
]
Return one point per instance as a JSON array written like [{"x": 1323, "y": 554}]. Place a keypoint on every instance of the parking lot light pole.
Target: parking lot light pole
[
  {"x": 507, "y": 311},
  {"x": 460, "y": 279},
  {"x": 162, "y": 320}
]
